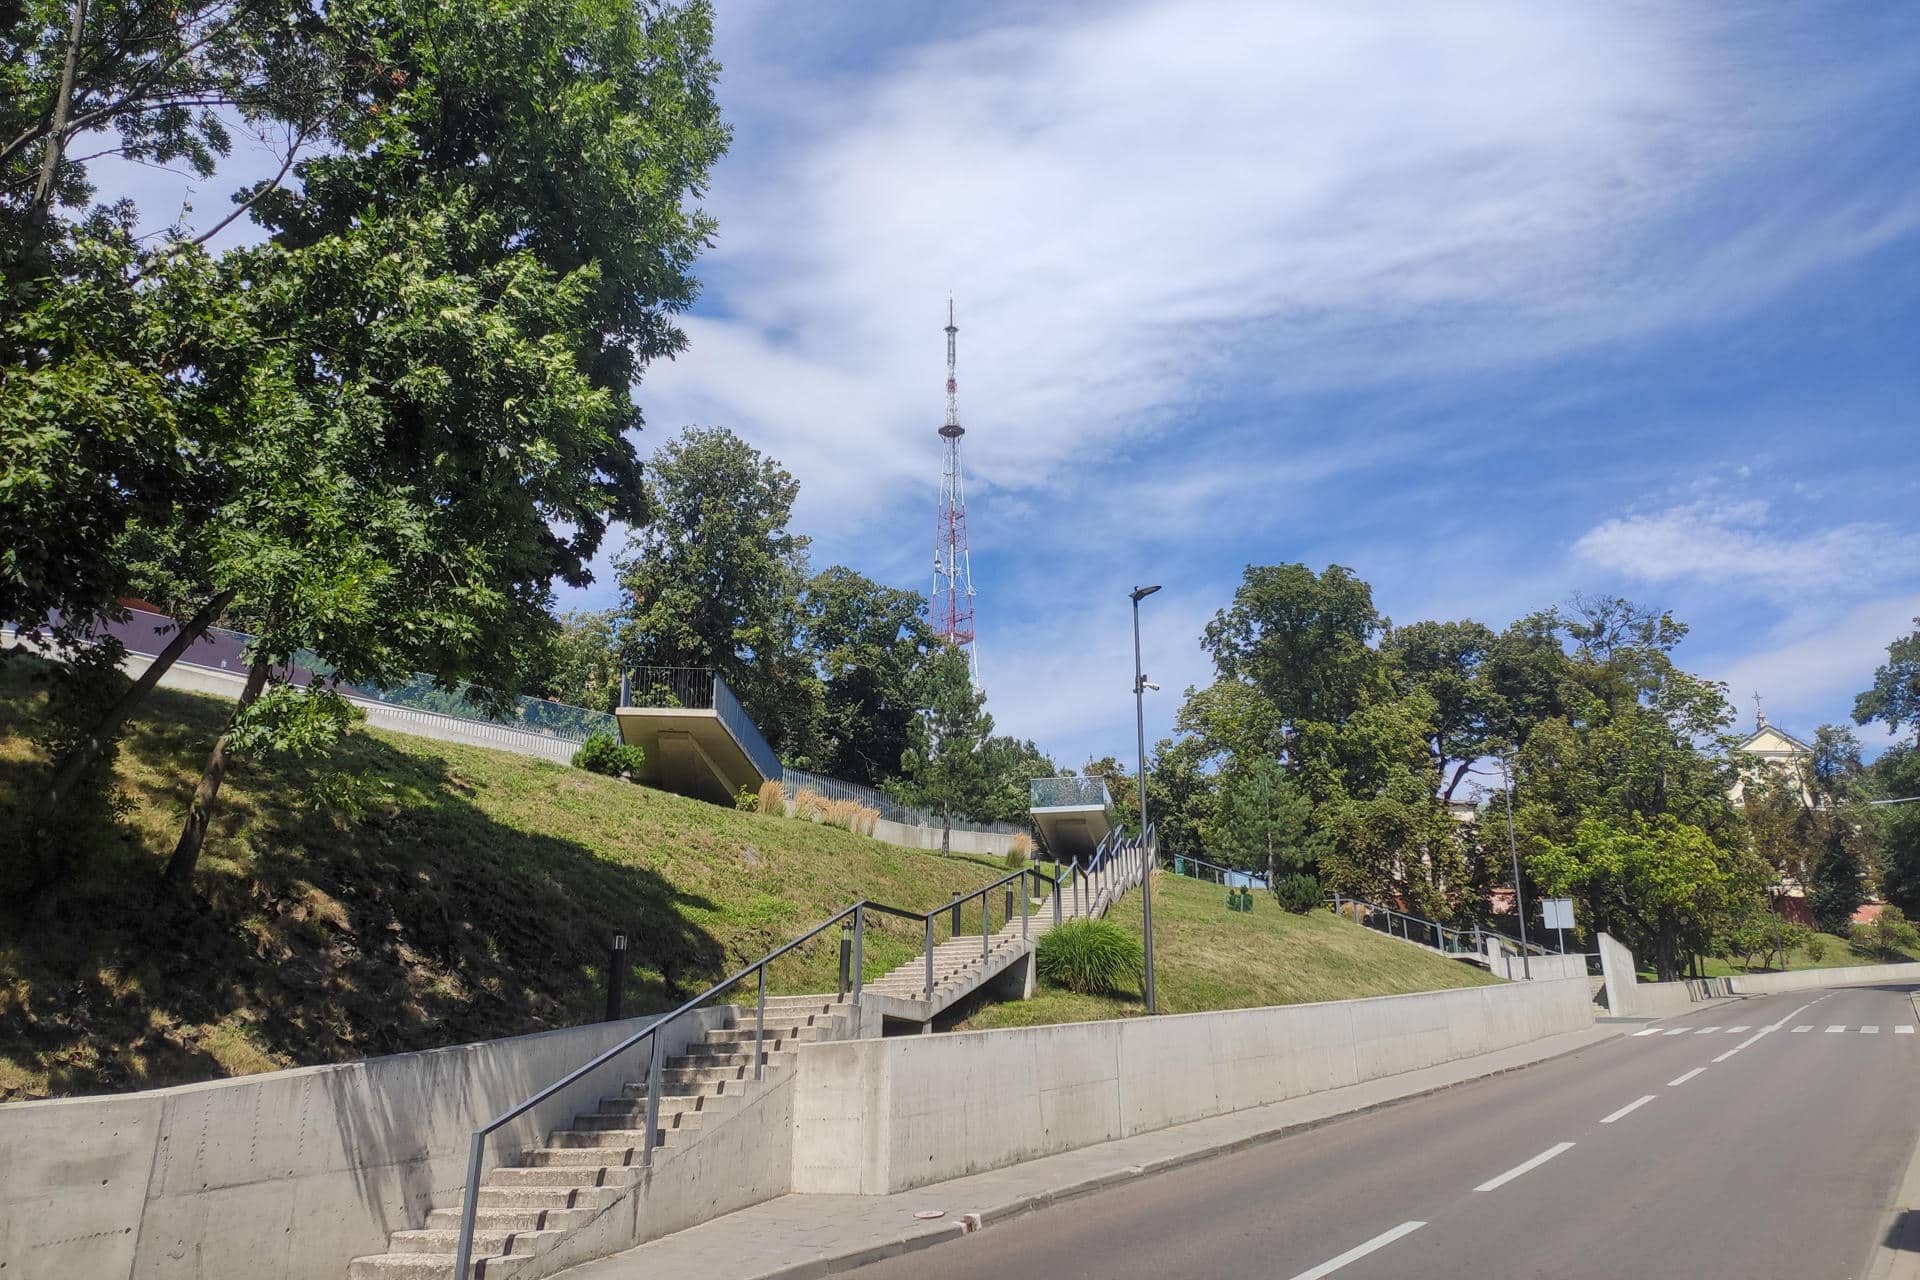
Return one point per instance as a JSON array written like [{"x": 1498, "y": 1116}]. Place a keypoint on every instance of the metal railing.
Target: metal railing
[
  {"x": 146, "y": 633},
  {"x": 1200, "y": 869},
  {"x": 1398, "y": 924},
  {"x": 702, "y": 689},
  {"x": 892, "y": 810},
  {"x": 954, "y": 912},
  {"x": 1055, "y": 793},
  {"x": 476, "y": 1153}
]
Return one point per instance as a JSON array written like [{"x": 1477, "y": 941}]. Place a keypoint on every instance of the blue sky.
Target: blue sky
[{"x": 1490, "y": 301}]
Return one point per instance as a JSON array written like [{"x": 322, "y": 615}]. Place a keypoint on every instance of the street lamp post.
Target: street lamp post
[
  {"x": 1140, "y": 687},
  {"x": 1519, "y": 901}
]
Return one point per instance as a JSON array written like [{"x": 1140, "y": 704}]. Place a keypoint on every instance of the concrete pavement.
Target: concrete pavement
[{"x": 1753, "y": 1149}]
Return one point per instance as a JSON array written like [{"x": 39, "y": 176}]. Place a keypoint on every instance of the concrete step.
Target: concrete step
[
  {"x": 608, "y": 1146},
  {"x": 621, "y": 1147},
  {"x": 436, "y": 1266},
  {"x": 682, "y": 1097},
  {"x": 539, "y": 1197},
  {"x": 487, "y": 1241},
  {"x": 772, "y": 1057},
  {"x": 514, "y": 1219},
  {"x": 571, "y": 1175},
  {"x": 744, "y": 1036}
]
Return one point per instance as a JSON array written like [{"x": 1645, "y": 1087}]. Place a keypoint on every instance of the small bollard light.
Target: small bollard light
[
  {"x": 846, "y": 956},
  {"x": 616, "y": 975}
]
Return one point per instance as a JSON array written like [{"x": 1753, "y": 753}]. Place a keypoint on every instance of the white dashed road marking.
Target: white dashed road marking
[
  {"x": 1683, "y": 1079},
  {"x": 1679, "y": 1031},
  {"x": 1360, "y": 1251},
  {"x": 1734, "y": 1031},
  {"x": 1707, "y": 1031},
  {"x": 1836, "y": 1029},
  {"x": 1728, "y": 1054},
  {"x": 1803, "y": 1028},
  {"x": 1650, "y": 1031},
  {"x": 1635, "y": 1105},
  {"x": 1494, "y": 1184},
  {"x": 1903, "y": 1031},
  {"x": 1869, "y": 1031}
]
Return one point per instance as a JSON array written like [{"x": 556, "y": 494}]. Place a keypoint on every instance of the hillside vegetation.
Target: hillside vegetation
[
  {"x": 1206, "y": 957},
  {"x": 402, "y": 894}
]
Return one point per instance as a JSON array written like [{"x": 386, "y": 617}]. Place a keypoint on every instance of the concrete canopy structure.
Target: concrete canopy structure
[
  {"x": 698, "y": 739},
  {"x": 1074, "y": 814}
]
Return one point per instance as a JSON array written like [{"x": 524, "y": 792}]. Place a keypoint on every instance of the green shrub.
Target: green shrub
[
  {"x": 604, "y": 753},
  {"x": 1092, "y": 957},
  {"x": 1814, "y": 947},
  {"x": 1299, "y": 893},
  {"x": 746, "y": 801}
]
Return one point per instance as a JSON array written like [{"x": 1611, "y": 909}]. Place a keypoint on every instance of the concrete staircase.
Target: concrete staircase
[
  {"x": 527, "y": 1210},
  {"x": 961, "y": 965}
]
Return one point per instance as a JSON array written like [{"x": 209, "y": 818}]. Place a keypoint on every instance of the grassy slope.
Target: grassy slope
[
  {"x": 474, "y": 897},
  {"x": 1839, "y": 953},
  {"x": 1206, "y": 957}
]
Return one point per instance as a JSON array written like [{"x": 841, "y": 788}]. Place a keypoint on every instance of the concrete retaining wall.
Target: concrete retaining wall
[
  {"x": 992, "y": 843},
  {"x": 1755, "y": 984},
  {"x": 1507, "y": 965},
  {"x": 289, "y": 1175},
  {"x": 878, "y": 1116},
  {"x": 1628, "y": 997}
]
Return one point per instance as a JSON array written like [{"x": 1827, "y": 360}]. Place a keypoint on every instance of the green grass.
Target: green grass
[
  {"x": 1206, "y": 957},
  {"x": 474, "y": 897}
]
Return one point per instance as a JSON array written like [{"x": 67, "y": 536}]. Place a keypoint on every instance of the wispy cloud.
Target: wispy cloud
[{"x": 1751, "y": 546}]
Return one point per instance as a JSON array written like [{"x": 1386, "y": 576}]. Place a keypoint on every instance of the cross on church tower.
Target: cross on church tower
[{"x": 1759, "y": 713}]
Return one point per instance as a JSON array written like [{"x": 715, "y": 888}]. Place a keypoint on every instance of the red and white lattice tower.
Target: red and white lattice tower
[{"x": 952, "y": 566}]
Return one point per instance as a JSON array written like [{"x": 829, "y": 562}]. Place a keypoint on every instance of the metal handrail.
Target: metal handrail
[
  {"x": 470, "y": 1201},
  {"x": 927, "y": 918},
  {"x": 1446, "y": 938},
  {"x": 1259, "y": 879}
]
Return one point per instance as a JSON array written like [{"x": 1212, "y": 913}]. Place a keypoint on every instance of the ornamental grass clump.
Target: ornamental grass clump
[
  {"x": 1092, "y": 957},
  {"x": 773, "y": 798}
]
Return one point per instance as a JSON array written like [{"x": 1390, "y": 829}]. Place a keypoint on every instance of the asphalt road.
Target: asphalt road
[{"x": 1739, "y": 1153}]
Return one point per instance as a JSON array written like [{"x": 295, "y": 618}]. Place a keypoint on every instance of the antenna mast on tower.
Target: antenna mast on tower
[{"x": 952, "y": 566}]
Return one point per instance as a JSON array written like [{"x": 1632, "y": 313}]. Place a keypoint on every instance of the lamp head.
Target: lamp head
[{"x": 1141, "y": 593}]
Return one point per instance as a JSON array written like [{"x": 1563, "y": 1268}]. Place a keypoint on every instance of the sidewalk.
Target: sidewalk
[{"x": 798, "y": 1237}]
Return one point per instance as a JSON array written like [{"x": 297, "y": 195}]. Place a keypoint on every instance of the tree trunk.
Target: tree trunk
[
  {"x": 186, "y": 854},
  {"x": 82, "y": 755},
  {"x": 42, "y": 203},
  {"x": 946, "y": 828}
]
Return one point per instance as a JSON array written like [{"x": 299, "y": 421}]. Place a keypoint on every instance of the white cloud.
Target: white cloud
[
  {"x": 1146, "y": 209},
  {"x": 1748, "y": 545},
  {"x": 1809, "y": 678}
]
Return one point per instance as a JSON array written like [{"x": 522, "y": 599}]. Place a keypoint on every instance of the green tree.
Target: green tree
[
  {"x": 871, "y": 643},
  {"x": 1302, "y": 640},
  {"x": 155, "y": 84},
  {"x": 1445, "y": 660},
  {"x": 715, "y": 581},
  {"x": 444, "y": 340},
  {"x": 947, "y": 767},
  {"x": 1839, "y": 876},
  {"x": 1666, "y": 885},
  {"x": 1180, "y": 797},
  {"x": 1894, "y": 699},
  {"x": 1262, "y": 820},
  {"x": 1896, "y": 827},
  {"x": 1120, "y": 786},
  {"x": 1010, "y": 764},
  {"x": 582, "y": 663}
]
